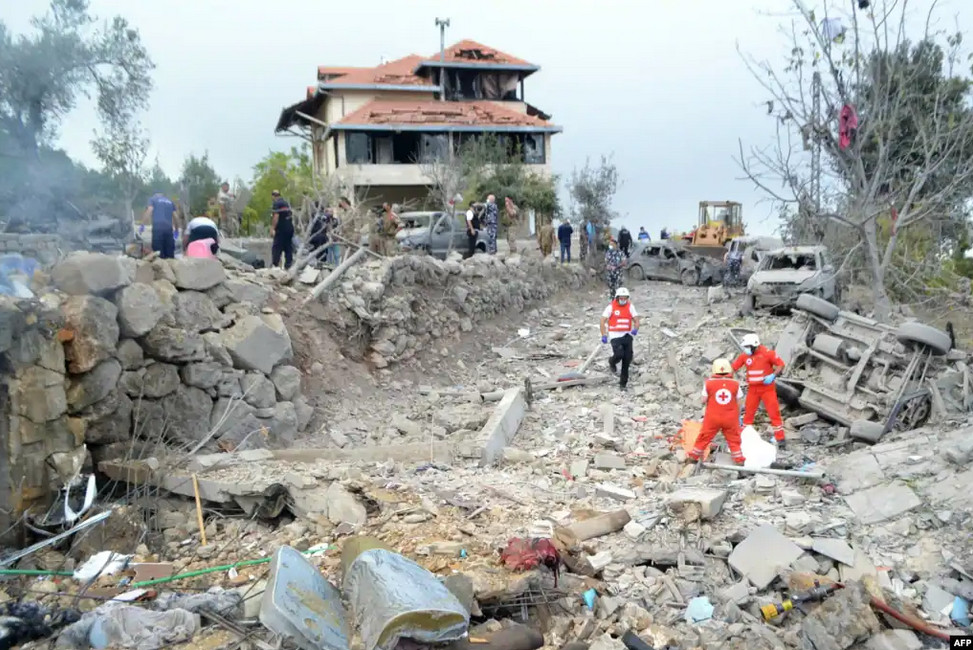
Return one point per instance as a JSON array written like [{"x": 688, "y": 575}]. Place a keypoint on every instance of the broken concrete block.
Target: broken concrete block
[
  {"x": 800, "y": 420},
  {"x": 196, "y": 273},
  {"x": 634, "y": 530},
  {"x": 579, "y": 468},
  {"x": 609, "y": 491},
  {"x": 836, "y": 549},
  {"x": 93, "y": 273},
  {"x": 805, "y": 564},
  {"x": 841, "y": 621},
  {"x": 882, "y": 502},
  {"x": 737, "y": 593},
  {"x": 894, "y": 640},
  {"x": 936, "y": 600},
  {"x": 762, "y": 554},
  {"x": 861, "y": 567},
  {"x": 258, "y": 342},
  {"x": 710, "y": 501},
  {"x": 609, "y": 461},
  {"x": 599, "y": 561},
  {"x": 791, "y": 497},
  {"x": 500, "y": 430},
  {"x": 856, "y": 471},
  {"x": 608, "y": 418},
  {"x": 960, "y": 453},
  {"x": 344, "y": 507}
]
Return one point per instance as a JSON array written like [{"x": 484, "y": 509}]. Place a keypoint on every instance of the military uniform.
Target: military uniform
[
  {"x": 547, "y": 240},
  {"x": 613, "y": 270},
  {"x": 492, "y": 225},
  {"x": 385, "y": 230},
  {"x": 511, "y": 223}
]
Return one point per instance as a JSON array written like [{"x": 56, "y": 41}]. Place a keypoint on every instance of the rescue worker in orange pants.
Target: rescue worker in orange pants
[
  {"x": 762, "y": 364},
  {"x": 721, "y": 394}
]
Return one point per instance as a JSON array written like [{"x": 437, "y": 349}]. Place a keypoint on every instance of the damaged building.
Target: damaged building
[{"x": 375, "y": 127}]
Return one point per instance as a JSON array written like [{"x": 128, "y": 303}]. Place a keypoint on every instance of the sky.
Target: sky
[{"x": 659, "y": 86}]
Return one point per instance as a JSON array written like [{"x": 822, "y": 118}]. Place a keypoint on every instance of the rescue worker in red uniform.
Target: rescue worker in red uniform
[
  {"x": 762, "y": 364},
  {"x": 721, "y": 394},
  {"x": 619, "y": 324}
]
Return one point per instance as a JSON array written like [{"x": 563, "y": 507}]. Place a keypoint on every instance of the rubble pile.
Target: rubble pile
[
  {"x": 398, "y": 308},
  {"x": 176, "y": 351}
]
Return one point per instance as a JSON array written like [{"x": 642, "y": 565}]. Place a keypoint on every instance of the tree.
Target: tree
[
  {"x": 290, "y": 172},
  {"x": 908, "y": 167},
  {"x": 201, "y": 180},
  {"x": 122, "y": 150},
  {"x": 592, "y": 190},
  {"x": 42, "y": 74}
]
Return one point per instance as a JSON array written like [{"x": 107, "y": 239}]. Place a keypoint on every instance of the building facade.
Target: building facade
[{"x": 377, "y": 127}]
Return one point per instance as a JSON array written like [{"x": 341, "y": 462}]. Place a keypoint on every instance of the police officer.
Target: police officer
[
  {"x": 613, "y": 267},
  {"x": 282, "y": 231}
]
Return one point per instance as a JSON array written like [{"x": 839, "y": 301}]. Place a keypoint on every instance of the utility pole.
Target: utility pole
[{"x": 442, "y": 24}]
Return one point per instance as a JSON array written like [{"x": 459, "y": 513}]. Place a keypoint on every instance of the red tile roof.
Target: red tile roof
[
  {"x": 468, "y": 51},
  {"x": 394, "y": 73},
  {"x": 337, "y": 71},
  {"x": 436, "y": 113}
]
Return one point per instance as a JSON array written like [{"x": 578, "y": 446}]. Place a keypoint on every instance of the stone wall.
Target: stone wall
[
  {"x": 38, "y": 451},
  {"x": 46, "y": 249},
  {"x": 391, "y": 310},
  {"x": 172, "y": 350}
]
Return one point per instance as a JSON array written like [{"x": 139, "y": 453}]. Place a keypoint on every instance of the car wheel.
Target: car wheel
[
  {"x": 788, "y": 394},
  {"x": 817, "y": 306},
  {"x": 636, "y": 272},
  {"x": 935, "y": 339},
  {"x": 690, "y": 277}
]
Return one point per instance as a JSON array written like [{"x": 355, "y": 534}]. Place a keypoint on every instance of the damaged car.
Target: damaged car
[
  {"x": 787, "y": 273},
  {"x": 867, "y": 375},
  {"x": 666, "y": 261},
  {"x": 436, "y": 233}
]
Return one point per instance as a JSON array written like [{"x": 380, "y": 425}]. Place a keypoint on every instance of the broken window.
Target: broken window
[
  {"x": 384, "y": 151},
  {"x": 800, "y": 262},
  {"x": 533, "y": 148},
  {"x": 358, "y": 148},
  {"x": 433, "y": 147}
]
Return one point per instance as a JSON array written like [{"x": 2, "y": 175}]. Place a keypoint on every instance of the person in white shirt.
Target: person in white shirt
[
  {"x": 619, "y": 325},
  {"x": 201, "y": 228}
]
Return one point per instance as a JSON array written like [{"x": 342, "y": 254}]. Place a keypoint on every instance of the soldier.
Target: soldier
[
  {"x": 385, "y": 229},
  {"x": 492, "y": 216},
  {"x": 583, "y": 243},
  {"x": 613, "y": 267},
  {"x": 511, "y": 222},
  {"x": 546, "y": 237}
]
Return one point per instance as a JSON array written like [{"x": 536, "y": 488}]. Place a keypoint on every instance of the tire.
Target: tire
[
  {"x": 787, "y": 394},
  {"x": 817, "y": 307},
  {"x": 935, "y": 339},
  {"x": 689, "y": 277},
  {"x": 636, "y": 272}
]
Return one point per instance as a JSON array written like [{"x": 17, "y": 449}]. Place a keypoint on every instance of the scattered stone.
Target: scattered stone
[
  {"x": 634, "y": 530},
  {"x": 609, "y": 461},
  {"x": 197, "y": 274},
  {"x": 738, "y": 593},
  {"x": 599, "y": 561},
  {"x": 882, "y": 502},
  {"x": 283, "y": 424},
  {"x": 405, "y": 426},
  {"x": 258, "y": 391},
  {"x": 205, "y": 374},
  {"x": 461, "y": 416},
  {"x": 791, "y": 497},
  {"x": 139, "y": 309},
  {"x": 960, "y": 453},
  {"x": 339, "y": 439},
  {"x": 710, "y": 501},
  {"x": 799, "y": 421},
  {"x": 84, "y": 273},
  {"x": 287, "y": 381},
  {"x": 258, "y": 342},
  {"x": 841, "y": 621},
  {"x": 93, "y": 323},
  {"x": 861, "y": 567},
  {"x": 579, "y": 468},
  {"x": 835, "y": 549},
  {"x": 248, "y": 292},
  {"x": 805, "y": 564},
  {"x": 936, "y": 600},
  {"x": 762, "y": 554}
]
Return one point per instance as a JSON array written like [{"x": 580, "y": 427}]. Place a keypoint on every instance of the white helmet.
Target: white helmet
[
  {"x": 750, "y": 340},
  {"x": 621, "y": 292}
]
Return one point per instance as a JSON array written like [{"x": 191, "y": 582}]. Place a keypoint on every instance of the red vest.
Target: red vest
[
  {"x": 620, "y": 319},
  {"x": 721, "y": 396},
  {"x": 760, "y": 364}
]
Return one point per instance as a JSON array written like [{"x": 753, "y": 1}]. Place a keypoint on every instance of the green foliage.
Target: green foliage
[
  {"x": 289, "y": 172},
  {"x": 202, "y": 180},
  {"x": 592, "y": 190},
  {"x": 490, "y": 165},
  {"x": 70, "y": 53}
]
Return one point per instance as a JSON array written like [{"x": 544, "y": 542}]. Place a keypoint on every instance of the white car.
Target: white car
[{"x": 786, "y": 273}]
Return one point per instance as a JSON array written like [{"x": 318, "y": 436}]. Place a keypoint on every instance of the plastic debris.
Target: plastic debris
[
  {"x": 394, "y": 598},
  {"x": 299, "y": 603},
  {"x": 759, "y": 453},
  {"x": 105, "y": 563},
  {"x": 961, "y": 612},
  {"x": 589, "y": 598},
  {"x": 225, "y": 602},
  {"x": 699, "y": 609},
  {"x": 525, "y": 554}
]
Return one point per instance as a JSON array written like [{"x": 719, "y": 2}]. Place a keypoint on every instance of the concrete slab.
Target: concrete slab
[
  {"x": 936, "y": 600},
  {"x": 882, "y": 502},
  {"x": 856, "y": 471},
  {"x": 894, "y": 640},
  {"x": 950, "y": 490},
  {"x": 861, "y": 567},
  {"x": 501, "y": 428},
  {"x": 710, "y": 501},
  {"x": 836, "y": 549},
  {"x": 608, "y": 418},
  {"x": 609, "y": 461},
  {"x": 618, "y": 493},
  {"x": 579, "y": 468},
  {"x": 762, "y": 554}
]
